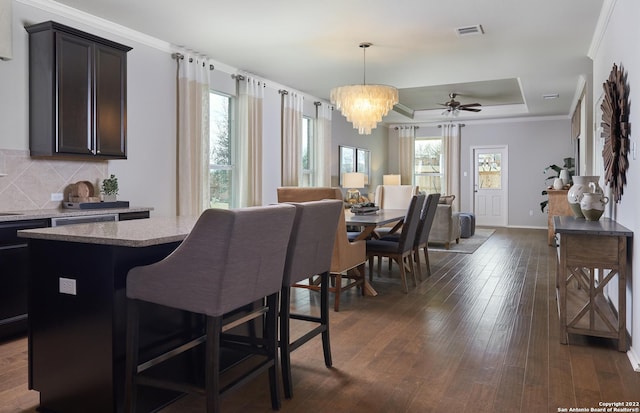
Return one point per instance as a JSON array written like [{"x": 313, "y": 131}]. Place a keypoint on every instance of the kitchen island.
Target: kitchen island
[
  {"x": 77, "y": 311},
  {"x": 14, "y": 253}
]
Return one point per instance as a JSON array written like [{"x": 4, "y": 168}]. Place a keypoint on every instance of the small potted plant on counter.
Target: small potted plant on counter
[{"x": 110, "y": 189}]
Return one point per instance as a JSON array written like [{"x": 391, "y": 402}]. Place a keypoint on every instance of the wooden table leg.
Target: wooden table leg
[
  {"x": 369, "y": 290},
  {"x": 562, "y": 295}
]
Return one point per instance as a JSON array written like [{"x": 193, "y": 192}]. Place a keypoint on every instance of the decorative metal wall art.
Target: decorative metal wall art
[{"x": 615, "y": 131}]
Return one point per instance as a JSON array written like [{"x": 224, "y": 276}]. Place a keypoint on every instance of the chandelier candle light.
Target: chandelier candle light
[{"x": 364, "y": 105}]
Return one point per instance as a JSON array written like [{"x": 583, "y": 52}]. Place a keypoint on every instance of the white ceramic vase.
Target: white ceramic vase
[
  {"x": 592, "y": 203},
  {"x": 558, "y": 184},
  {"x": 565, "y": 176},
  {"x": 579, "y": 187}
]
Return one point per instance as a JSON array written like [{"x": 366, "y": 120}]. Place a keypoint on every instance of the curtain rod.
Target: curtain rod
[
  {"x": 319, "y": 103},
  {"x": 180, "y": 56},
  {"x": 241, "y": 77},
  {"x": 400, "y": 127},
  {"x": 462, "y": 125}
]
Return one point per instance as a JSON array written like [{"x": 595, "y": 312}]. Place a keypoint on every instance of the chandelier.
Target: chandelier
[{"x": 364, "y": 105}]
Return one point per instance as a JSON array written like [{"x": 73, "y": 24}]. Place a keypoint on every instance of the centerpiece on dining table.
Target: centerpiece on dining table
[{"x": 365, "y": 208}]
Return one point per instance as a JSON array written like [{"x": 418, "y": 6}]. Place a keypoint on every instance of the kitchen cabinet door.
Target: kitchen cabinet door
[
  {"x": 77, "y": 89},
  {"x": 74, "y": 67}
]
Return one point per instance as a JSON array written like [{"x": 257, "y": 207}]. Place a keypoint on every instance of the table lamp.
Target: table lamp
[
  {"x": 353, "y": 181},
  {"x": 390, "y": 179}
]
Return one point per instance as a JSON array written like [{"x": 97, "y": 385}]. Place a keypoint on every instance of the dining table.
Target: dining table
[{"x": 370, "y": 221}]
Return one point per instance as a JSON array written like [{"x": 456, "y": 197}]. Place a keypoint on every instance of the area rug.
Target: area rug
[{"x": 466, "y": 245}]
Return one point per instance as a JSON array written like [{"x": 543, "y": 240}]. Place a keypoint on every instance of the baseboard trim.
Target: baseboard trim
[{"x": 634, "y": 358}]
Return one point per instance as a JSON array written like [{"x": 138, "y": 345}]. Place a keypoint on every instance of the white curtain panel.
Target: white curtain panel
[
  {"x": 193, "y": 136},
  {"x": 451, "y": 138},
  {"x": 250, "y": 102},
  {"x": 406, "y": 141},
  {"x": 291, "y": 139},
  {"x": 323, "y": 144}
]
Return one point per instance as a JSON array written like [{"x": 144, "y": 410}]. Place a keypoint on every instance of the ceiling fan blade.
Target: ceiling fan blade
[
  {"x": 466, "y": 105},
  {"x": 470, "y": 109}
]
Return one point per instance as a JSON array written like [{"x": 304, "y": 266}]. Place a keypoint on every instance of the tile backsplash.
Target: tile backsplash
[{"x": 27, "y": 183}]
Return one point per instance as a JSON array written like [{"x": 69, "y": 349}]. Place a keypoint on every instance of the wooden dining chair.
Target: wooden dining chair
[
  {"x": 401, "y": 250},
  {"x": 221, "y": 267},
  {"x": 348, "y": 258}
]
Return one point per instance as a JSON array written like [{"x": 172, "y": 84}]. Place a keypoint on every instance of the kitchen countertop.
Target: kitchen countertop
[
  {"x": 8, "y": 216},
  {"x": 134, "y": 233}
]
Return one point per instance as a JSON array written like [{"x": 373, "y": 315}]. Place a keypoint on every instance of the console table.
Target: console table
[{"x": 590, "y": 255}]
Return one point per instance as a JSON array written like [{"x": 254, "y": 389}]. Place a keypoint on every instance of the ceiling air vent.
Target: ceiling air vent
[{"x": 475, "y": 30}]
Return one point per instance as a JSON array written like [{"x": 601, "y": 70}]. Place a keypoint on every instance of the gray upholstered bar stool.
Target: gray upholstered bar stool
[
  {"x": 222, "y": 265},
  {"x": 309, "y": 254}
]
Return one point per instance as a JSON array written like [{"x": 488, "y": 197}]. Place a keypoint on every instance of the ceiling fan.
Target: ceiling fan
[{"x": 453, "y": 107}]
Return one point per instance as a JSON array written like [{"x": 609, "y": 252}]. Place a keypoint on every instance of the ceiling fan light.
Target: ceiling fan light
[{"x": 364, "y": 105}]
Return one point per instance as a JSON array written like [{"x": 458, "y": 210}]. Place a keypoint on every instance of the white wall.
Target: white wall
[
  {"x": 533, "y": 144},
  {"x": 618, "y": 44}
]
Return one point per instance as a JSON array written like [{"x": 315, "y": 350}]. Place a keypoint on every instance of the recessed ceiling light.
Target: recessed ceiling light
[{"x": 550, "y": 96}]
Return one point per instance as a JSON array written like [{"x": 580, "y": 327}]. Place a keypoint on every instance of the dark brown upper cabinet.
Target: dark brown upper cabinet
[{"x": 77, "y": 94}]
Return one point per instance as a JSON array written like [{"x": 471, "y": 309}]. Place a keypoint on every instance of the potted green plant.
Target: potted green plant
[
  {"x": 109, "y": 188},
  {"x": 569, "y": 165}
]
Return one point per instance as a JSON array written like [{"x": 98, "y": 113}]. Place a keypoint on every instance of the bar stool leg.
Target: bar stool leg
[
  {"x": 271, "y": 339},
  {"x": 324, "y": 318},
  {"x": 131, "y": 351},
  {"x": 285, "y": 345},
  {"x": 212, "y": 361}
]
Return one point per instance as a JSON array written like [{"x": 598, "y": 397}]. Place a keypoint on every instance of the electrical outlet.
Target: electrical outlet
[
  {"x": 67, "y": 286},
  {"x": 56, "y": 196}
]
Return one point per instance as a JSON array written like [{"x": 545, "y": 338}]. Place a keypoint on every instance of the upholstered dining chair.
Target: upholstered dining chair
[
  {"x": 222, "y": 266},
  {"x": 348, "y": 258},
  {"x": 393, "y": 197},
  {"x": 309, "y": 254},
  {"x": 422, "y": 235},
  {"x": 402, "y": 249}
]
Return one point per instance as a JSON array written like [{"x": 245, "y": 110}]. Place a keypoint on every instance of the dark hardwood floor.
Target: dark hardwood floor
[{"x": 480, "y": 335}]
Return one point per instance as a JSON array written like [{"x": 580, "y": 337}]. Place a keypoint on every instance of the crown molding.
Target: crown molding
[
  {"x": 98, "y": 23},
  {"x": 116, "y": 29},
  {"x": 601, "y": 27}
]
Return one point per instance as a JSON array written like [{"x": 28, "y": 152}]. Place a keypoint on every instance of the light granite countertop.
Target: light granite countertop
[
  {"x": 7, "y": 216},
  {"x": 133, "y": 233}
]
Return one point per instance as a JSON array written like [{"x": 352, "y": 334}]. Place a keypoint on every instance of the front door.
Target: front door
[{"x": 490, "y": 186}]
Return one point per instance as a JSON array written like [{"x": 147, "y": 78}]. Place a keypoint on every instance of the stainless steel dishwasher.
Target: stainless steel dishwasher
[{"x": 83, "y": 219}]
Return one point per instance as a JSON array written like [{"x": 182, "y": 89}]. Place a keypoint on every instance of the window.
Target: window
[
  {"x": 221, "y": 163},
  {"x": 307, "y": 152},
  {"x": 489, "y": 170},
  {"x": 429, "y": 165}
]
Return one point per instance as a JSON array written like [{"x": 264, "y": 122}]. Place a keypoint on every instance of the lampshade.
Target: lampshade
[
  {"x": 390, "y": 179},
  {"x": 353, "y": 180},
  {"x": 364, "y": 105}
]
